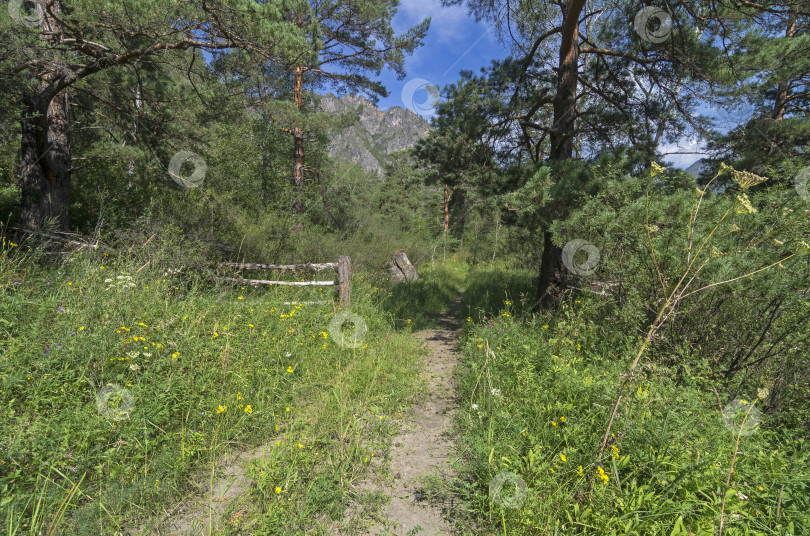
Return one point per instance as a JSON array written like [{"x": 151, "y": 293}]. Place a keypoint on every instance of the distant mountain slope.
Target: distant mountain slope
[
  {"x": 698, "y": 167},
  {"x": 377, "y": 134}
]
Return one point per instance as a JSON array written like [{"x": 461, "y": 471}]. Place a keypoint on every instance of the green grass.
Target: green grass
[
  {"x": 535, "y": 397},
  {"x": 211, "y": 370},
  {"x": 417, "y": 302},
  {"x": 535, "y": 389}
]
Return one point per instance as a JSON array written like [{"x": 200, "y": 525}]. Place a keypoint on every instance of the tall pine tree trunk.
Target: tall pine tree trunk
[
  {"x": 45, "y": 146},
  {"x": 298, "y": 140},
  {"x": 463, "y": 224},
  {"x": 552, "y": 270},
  {"x": 46, "y": 162},
  {"x": 780, "y": 100},
  {"x": 446, "y": 209}
]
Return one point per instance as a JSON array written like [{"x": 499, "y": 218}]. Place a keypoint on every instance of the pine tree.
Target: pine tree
[
  {"x": 47, "y": 52},
  {"x": 348, "y": 41}
]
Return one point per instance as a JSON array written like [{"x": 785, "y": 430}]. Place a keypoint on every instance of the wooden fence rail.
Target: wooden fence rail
[
  {"x": 342, "y": 267},
  {"x": 87, "y": 243}
]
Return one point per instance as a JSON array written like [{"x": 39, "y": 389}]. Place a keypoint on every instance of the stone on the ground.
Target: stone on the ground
[{"x": 400, "y": 268}]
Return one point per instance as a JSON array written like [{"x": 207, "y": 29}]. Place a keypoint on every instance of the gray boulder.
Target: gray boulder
[{"x": 400, "y": 268}]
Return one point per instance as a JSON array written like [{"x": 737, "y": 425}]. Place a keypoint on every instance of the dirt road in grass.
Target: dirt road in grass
[{"x": 423, "y": 448}]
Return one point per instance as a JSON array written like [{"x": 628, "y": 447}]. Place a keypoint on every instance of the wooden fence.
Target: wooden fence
[
  {"x": 81, "y": 241},
  {"x": 342, "y": 267}
]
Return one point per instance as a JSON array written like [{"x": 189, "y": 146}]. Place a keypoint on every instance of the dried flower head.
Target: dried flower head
[
  {"x": 724, "y": 168},
  {"x": 742, "y": 205},
  {"x": 746, "y": 180}
]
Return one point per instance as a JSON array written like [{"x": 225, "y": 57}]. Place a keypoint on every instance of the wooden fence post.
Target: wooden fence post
[{"x": 344, "y": 281}]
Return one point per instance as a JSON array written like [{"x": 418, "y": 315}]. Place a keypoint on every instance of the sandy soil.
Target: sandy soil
[{"x": 423, "y": 448}]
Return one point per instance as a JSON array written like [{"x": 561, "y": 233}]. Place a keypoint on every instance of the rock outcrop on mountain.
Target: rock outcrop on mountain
[
  {"x": 698, "y": 167},
  {"x": 375, "y": 135}
]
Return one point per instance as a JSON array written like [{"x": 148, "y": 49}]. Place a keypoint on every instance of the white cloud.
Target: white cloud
[
  {"x": 685, "y": 146},
  {"x": 447, "y": 24}
]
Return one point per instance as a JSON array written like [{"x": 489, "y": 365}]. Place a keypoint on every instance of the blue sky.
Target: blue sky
[{"x": 454, "y": 42}]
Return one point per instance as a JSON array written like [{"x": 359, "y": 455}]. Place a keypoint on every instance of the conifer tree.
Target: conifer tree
[
  {"x": 348, "y": 41},
  {"x": 610, "y": 66},
  {"x": 58, "y": 45}
]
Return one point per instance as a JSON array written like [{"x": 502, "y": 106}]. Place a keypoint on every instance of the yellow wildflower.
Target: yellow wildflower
[
  {"x": 601, "y": 474},
  {"x": 745, "y": 179},
  {"x": 656, "y": 169}
]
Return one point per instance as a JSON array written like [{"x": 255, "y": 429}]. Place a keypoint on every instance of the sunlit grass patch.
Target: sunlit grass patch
[
  {"x": 209, "y": 370},
  {"x": 536, "y": 398}
]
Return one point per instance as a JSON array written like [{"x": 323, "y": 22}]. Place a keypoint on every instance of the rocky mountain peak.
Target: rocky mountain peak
[{"x": 375, "y": 135}]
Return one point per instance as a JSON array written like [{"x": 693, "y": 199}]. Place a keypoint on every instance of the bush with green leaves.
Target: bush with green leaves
[{"x": 610, "y": 408}]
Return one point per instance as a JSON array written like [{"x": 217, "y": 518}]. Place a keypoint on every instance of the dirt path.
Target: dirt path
[
  {"x": 424, "y": 448},
  {"x": 199, "y": 512}
]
